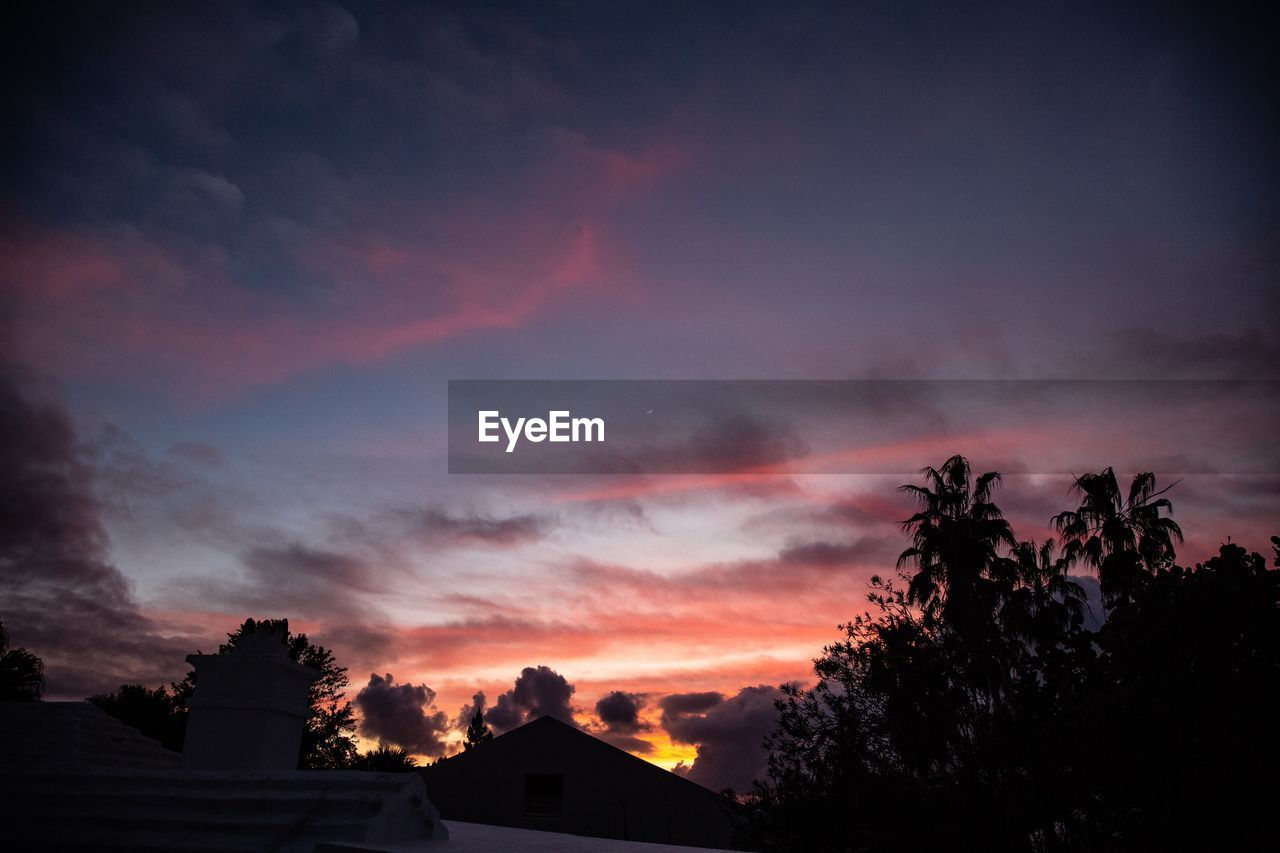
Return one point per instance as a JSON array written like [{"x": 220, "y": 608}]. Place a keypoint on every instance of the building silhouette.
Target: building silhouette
[{"x": 551, "y": 776}]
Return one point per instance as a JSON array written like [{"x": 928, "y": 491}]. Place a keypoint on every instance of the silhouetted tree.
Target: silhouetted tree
[
  {"x": 386, "y": 759},
  {"x": 1184, "y": 706},
  {"x": 156, "y": 713},
  {"x": 956, "y": 537},
  {"x": 1123, "y": 537},
  {"x": 1046, "y": 603},
  {"x": 477, "y": 731},
  {"x": 970, "y": 709},
  {"x": 961, "y": 578},
  {"x": 327, "y": 742},
  {"x": 21, "y": 672}
]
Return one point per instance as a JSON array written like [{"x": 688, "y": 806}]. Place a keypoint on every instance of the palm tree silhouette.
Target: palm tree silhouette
[
  {"x": 955, "y": 540},
  {"x": 1117, "y": 534},
  {"x": 1046, "y": 603},
  {"x": 386, "y": 759}
]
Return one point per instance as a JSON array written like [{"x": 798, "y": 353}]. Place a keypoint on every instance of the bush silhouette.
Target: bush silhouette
[
  {"x": 21, "y": 672},
  {"x": 386, "y": 759},
  {"x": 156, "y": 713}
]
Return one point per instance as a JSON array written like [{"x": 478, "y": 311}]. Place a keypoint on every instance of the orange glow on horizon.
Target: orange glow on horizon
[{"x": 666, "y": 752}]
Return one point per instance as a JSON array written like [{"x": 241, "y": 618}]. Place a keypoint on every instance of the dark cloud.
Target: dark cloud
[
  {"x": 234, "y": 101},
  {"x": 620, "y": 712},
  {"x": 825, "y": 554},
  {"x": 171, "y": 494},
  {"x": 402, "y": 714},
  {"x": 814, "y": 560},
  {"x": 676, "y": 705},
  {"x": 299, "y": 567},
  {"x": 734, "y": 442},
  {"x": 438, "y": 527},
  {"x": 860, "y": 512},
  {"x": 360, "y": 642},
  {"x": 173, "y": 497},
  {"x": 1232, "y": 502},
  {"x": 630, "y": 743},
  {"x": 729, "y": 734},
  {"x": 61, "y": 598},
  {"x": 1147, "y": 352},
  {"x": 391, "y": 531},
  {"x": 466, "y": 712},
  {"x": 504, "y": 715},
  {"x": 538, "y": 692},
  {"x": 333, "y": 587}
]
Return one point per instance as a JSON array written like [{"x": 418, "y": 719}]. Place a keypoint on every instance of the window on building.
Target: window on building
[{"x": 543, "y": 793}]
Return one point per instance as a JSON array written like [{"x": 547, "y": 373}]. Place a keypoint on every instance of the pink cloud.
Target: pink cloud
[
  {"x": 121, "y": 305},
  {"x": 171, "y": 311}
]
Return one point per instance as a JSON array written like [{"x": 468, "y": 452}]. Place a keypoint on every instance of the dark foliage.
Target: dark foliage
[
  {"x": 477, "y": 731},
  {"x": 327, "y": 743},
  {"x": 970, "y": 708},
  {"x": 156, "y": 713},
  {"x": 21, "y": 672},
  {"x": 385, "y": 759}
]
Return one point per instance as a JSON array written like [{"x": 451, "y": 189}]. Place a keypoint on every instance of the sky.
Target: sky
[{"x": 244, "y": 246}]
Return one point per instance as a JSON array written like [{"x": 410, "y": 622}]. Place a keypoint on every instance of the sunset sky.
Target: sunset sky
[{"x": 243, "y": 248}]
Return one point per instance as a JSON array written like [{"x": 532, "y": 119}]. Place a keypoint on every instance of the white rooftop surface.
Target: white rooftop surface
[{"x": 483, "y": 838}]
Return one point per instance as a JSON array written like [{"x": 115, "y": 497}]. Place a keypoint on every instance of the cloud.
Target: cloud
[
  {"x": 731, "y": 442},
  {"x": 864, "y": 511},
  {"x": 62, "y": 599},
  {"x": 467, "y": 711},
  {"x": 620, "y": 712},
  {"x": 172, "y": 500},
  {"x": 284, "y": 568},
  {"x": 214, "y": 188},
  {"x": 728, "y": 733},
  {"x": 1095, "y": 613},
  {"x": 629, "y": 743},
  {"x": 177, "y": 500},
  {"x": 105, "y": 288},
  {"x": 402, "y": 714},
  {"x": 169, "y": 495},
  {"x": 212, "y": 255},
  {"x": 825, "y": 567},
  {"x": 1146, "y": 351},
  {"x": 828, "y": 554},
  {"x": 438, "y": 527},
  {"x": 329, "y": 585},
  {"x": 678, "y": 705},
  {"x": 538, "y": 692}
]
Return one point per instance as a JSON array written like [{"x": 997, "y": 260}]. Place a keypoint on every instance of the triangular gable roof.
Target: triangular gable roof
[{"x": 548, "y": 726}]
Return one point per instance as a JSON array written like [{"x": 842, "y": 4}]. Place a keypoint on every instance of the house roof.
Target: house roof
[{"x": 550, "y": 727}]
